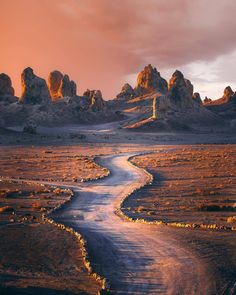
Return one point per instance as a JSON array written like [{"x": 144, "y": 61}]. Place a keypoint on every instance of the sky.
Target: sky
[{"x": 103, "y": 44}]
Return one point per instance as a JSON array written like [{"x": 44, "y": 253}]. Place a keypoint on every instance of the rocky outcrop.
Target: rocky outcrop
[
  {"x": 228, "y": 97},
  {"x": 180, "y": 92},
  {"x": 60, "y": 86},
  {"x": 150, "y": 80},
  {"x": 127, "y": 92},
  {"x": 95, "y": 100},
  {"x": 228, "y": 94},
  {"x": 197, "y": 98},
  {"x": 54, "y": 84},
  {"x": 68, "y": 88},
  {"x": 207, "y": 100},
  {"x": 34, "y": 88},
  {"x": 6, "y": 88},
  {"x": 189, "y": 85}
]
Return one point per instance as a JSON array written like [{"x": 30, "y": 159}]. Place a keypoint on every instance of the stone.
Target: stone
[
  {"x": 189, "y": 85},
  {"x": 207, "y": 100},
  {"x": 150, "y": 80},
  {"x": 6, "y": 85},
  {"x": 34, "y": 88},
  {"x": 228, "y": 93},
  {"x": 197, "y": 98},
  {"x": 178, "y": 98},
  {"x": 60, "y": 86},
  {"x": 126, "y": 93},
  {"x": 180, "y": 92},
  {"x": 54, "y": 84},
  {"x": 95, "y": 100}
]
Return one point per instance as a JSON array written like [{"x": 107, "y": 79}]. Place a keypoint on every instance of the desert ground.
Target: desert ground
[{"x": 156, "y": 212}]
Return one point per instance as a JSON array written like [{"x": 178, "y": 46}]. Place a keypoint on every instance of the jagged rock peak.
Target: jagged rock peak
[
  {"x": 228, "y": 92},
  {"x": 150, "y": 80},
  {"x": 207, "y": 100},
  {"x": 6, "y": 85},
  {"x": 96, "y": 102},
  {"x": 126, "y": 93},
  {"x": 60, "y": 86},
  {"x": 34, "y": 88},
  {"x": 177, "y": 79},
  {"x": 197, "y": 98},
  {"x": 180, "y": 92}
]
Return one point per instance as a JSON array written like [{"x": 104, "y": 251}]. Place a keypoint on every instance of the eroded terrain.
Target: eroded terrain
[{"x": 192, "y": 184}]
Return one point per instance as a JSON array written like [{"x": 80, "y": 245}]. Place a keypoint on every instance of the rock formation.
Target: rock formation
[
  {"x": 60, "y": 86},
  {"x": 126, "y": 93},
  {"x": 34, "y": 88},
  {"x": 150, "y": 80},
  {"x": 228, "y": 94},
  {"x": 207, "y": 100},
  {"x": 189, "y": 85},
  {"x": 180, "y": 92},
  {"x": 95, "y": 100},
  {"x": 6, "y": 86},
  {"x": 197, "y": 98}
]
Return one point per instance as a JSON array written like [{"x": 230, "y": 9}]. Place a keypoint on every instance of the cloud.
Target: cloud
[{"x": 100, "y": 42}]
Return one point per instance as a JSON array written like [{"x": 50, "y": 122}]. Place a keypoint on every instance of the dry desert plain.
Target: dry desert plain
[{"x": 116, "y": 214}]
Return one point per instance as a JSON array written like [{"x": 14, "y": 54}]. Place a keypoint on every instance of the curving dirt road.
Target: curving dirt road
[{"x": 136, "y": 258}]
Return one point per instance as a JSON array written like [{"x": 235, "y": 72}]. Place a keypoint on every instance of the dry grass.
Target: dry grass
[
  {"x": 35, "y": 254},
  {"x": 192, "y": 184}
]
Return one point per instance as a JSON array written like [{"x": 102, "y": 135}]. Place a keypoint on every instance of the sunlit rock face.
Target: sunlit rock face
[
  {"x": 228, "y": 94},
  {"x": 197, "y": 98},
  {"x": 150, "y": 80},
  {"x": 6, "y": 85},
  {"x": 60, "y": 86},
  {"x": 34, "y": 88},
  {"x": 95, "y": 100},
  {"x": 54, "y": 84},
  {"x": 127, "y": 92}
]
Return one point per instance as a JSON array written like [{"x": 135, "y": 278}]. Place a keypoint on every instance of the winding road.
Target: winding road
[{"x": 136, "y": 258}]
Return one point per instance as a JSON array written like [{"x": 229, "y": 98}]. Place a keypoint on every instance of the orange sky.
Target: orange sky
[{"x": 103, "y": 43}]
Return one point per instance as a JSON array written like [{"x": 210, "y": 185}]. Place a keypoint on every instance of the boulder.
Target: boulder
[
  {"x": 95, "y": 100},
  {"x": 207, "y": 100},
  {"x": 189, "y": 85},
  {"x": 150, "y": 80},
  {"x": 34, "y": 88},
  {"x": 60, "y": 86},
  {"x": 197, "y": 98},
  {"x": 126, "y": 93},
  {"x": 6, "y": 85},
  {"x": 54, "y": 84},
  {"x": 228, "y": 94}
]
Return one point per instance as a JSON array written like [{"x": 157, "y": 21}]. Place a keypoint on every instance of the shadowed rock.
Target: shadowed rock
[
  {"x": 150, "y": 80},
  {"x": 180, "y": 92},
  {"x": 95, "y": 100},
  {"x": 60, "y": 86},
  {"x": 34, "y": 88},
  {"x": 197, "y": 98},
  {"x": 189, "y": 85},
  {"x": 126, "y": 93},
  {"x": 6, "y": 85}
]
